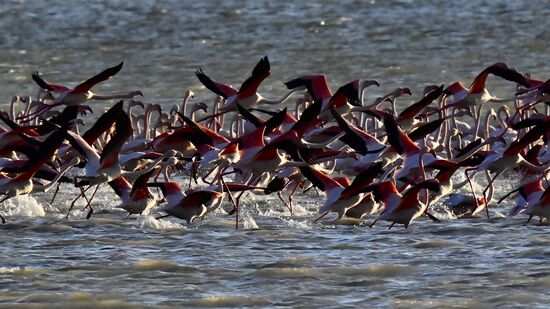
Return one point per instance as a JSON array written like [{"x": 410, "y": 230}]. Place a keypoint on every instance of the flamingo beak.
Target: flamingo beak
[
  {"x": 137, "y": 103},
  {"x": 201, "y": 106}
]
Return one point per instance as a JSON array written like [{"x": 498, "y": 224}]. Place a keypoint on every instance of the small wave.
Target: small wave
[
  {"x": 425, "y": 303},
  {"x": 162, "y": 265},
  {"x": 437, "y": 243},
  {"x": 287, "y": 272},
  {"x": 386, "y": 270},
  {"x": 543, "y": 282},
  {"x": 228, "y": 301},
  {"x": 518, "y": 298}
]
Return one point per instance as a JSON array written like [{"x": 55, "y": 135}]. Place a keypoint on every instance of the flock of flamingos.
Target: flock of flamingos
[{"x": 368, "y": 158}]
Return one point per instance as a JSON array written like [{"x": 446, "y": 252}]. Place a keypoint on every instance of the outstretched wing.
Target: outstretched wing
[
  {"x": 501, "y": 70},
  {"x": 218, "y": 88},
  {"x": 103, "y": 76},
  {"x": 46, "y": 85},
  {"x": 261, "y": 71}
]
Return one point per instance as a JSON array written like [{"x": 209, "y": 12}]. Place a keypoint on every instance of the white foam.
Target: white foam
[
  {"x": 299, "y": 224},
  {"x": 248, "y": 222},
  {"x": 149, "y": 222},
  {"x": 10, "y": 270},
  {"x": 23, "y": 205}
]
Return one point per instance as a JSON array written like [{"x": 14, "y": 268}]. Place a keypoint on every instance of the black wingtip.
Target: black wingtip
[
  {"x": 114, "y": 70},
  {"x": 39, "y": 81}
]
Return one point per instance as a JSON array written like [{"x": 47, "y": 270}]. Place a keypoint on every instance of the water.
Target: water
[{"x": 277, "y": 260}]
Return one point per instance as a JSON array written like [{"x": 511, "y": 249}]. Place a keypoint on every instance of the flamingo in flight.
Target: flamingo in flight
[
  {"x": 79, "y": 94},
  {"x": 22, "y": 183},
  {"x": 404, "y": 208},
  {"x": 247, "y": 96},
  {"x": 477, "y": 95},
  {"x": 188, "y": 206}
]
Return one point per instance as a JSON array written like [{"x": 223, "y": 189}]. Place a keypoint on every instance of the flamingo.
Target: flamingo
[
  {"x": 541, "y": 208},
  {"x": 247, "y": 96},
  {"x": 403, "y": 209},
  {"x": 477, "y": 95},
  {"x": 22, "y": 183},
  {"x": 189, "y": 206},
  {"x": 339, "y": 198},
  {"x": 82, "y": 92}
]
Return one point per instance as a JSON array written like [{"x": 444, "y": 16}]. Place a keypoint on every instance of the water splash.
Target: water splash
[
  {"x": 149, "y": 222},
  {"x": 24, "y": 205}
]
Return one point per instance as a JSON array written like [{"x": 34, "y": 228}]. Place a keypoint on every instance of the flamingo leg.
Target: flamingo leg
[
  {"x": 193, "y": 172},
  {"x": 162, "y": 217},
  {"x": 490, "y": 185},
  {"x": 280, "y": 196},
  {"x": 321, "y": 216},
  {"x": 478, "y": 119},
  {"x": 472, "y": 188},
  {"x": 290, "y": 197},
  {"x": 373, "y": 223},
  {"x": 82, "y": 193},
  {"x": 90, "y": 203},
  {"x": 235, "y": 204},
  {"x": 55, "y": 193}
]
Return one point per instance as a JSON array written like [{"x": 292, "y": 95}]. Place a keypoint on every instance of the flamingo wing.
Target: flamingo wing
[
  {"x": 43, "y": 154},
  {"x": 397, "y": 138},
  {"x": 316, "y": 85},
  {"x": 200, "y": 136},
  {"x": 123, "y": 131},
  {"x": 363, "y": 180},
  {"x": 218, "y": 88},
  {"x": 319, "y": 179},
  {"x": 308, "y": 118},
  {"x": 103, "y": 123},
  {"x": 350, "y": 92},
  {"x": 415, "y": 108},
  {"x": 256, "y": 121},
  {"x": 46, "y": 85},
  {"x": 351, "y": 138},
  {"x": 275, "y": 121},
  {"x": 141, "y": 182},
  {"x": 103, "y": 76},
  {"x": 426, "y": 129},
  {"x": 501, "y": 70},
  {"x": 261, "y": 71}
]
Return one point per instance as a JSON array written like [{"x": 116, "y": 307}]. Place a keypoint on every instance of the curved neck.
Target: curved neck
[
  {"x": 111, "y": 97},
  {"x": 46, "y": 187},
  {"x": 281, "y": 100}
]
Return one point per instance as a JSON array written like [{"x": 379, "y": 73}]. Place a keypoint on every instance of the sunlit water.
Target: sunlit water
[{"x": 274, "y": 260}]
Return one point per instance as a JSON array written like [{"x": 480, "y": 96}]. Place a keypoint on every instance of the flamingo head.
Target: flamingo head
[
  {"x": 275, "y": 185},
  {"x": 405, "y": 90},
  {"x": 174, "y": 109},
  {"x": 189, "y": 94},
  {"x": 133, "y": 103},
  {"x": 199, "y": 106}
]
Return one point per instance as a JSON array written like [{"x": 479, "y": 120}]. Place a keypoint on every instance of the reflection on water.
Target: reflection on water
[{"x": 111, "y": 262}]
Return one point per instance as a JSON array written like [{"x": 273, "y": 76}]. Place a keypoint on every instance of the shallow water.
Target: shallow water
[{"x": 276, "y": 260}]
